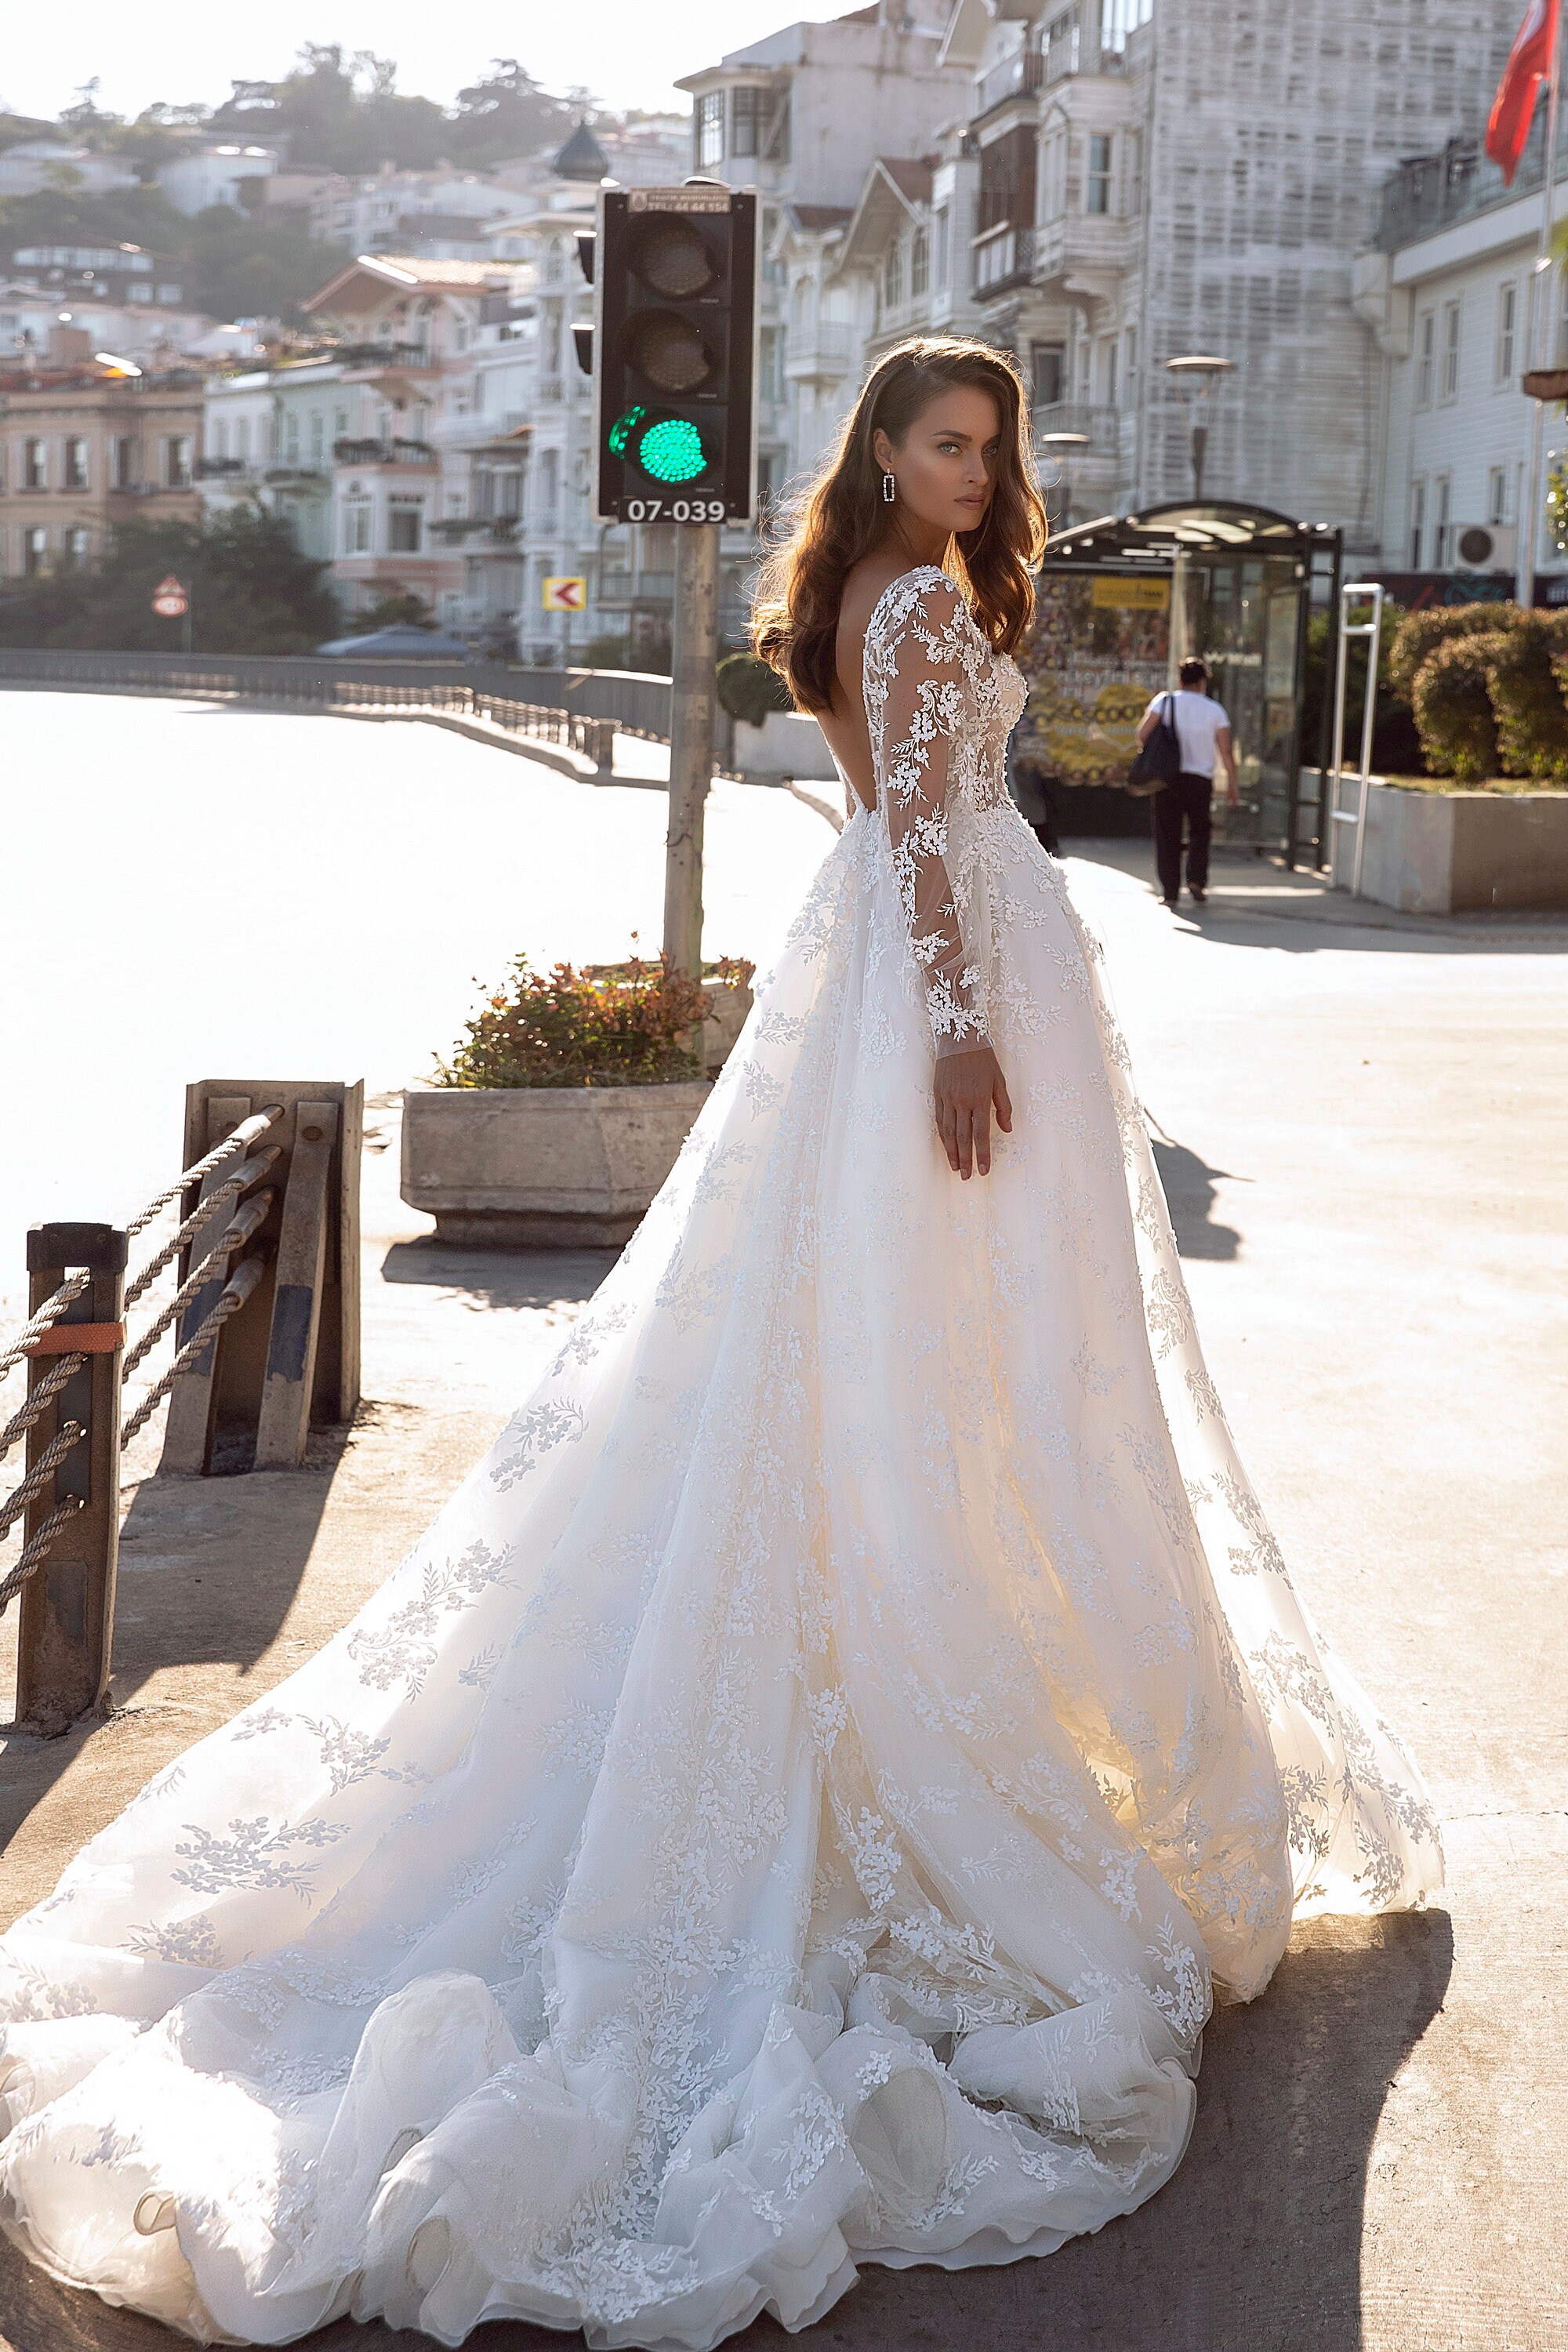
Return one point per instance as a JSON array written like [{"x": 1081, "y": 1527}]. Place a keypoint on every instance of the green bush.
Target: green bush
[
  {"x": 1527, "y": 698},
  {"x": 1453, "y": 706},
  {"x": 749, "y": 689},
  {"x": 626, "y": 1025},
  {"x": 1419, "y": 635}
]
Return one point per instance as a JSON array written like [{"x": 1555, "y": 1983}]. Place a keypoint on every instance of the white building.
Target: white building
[
  {"x": 32, "y": 165},
  {"x": 384, "y": 211},
  {"x": 1159, "y": 178},
  {"x": 1445, "y": 289},
  {"x": 151, "y": 333},
  {"x": 218, "y": 175}
]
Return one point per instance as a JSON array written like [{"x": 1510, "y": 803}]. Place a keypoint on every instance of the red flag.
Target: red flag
[{"x": 1530, "y": 63}]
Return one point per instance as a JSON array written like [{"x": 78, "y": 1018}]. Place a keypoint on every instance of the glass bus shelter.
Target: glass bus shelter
[{"x": 1122, "y": 602}]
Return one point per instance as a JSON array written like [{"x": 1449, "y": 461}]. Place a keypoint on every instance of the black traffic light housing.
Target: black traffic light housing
[{"x": 674, "y": 352}]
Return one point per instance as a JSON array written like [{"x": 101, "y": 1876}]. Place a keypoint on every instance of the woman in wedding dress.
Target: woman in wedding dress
[{"x": 796, "y": 1806}]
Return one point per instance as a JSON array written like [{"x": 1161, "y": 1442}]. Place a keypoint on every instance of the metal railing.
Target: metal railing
[
  {"x": 236, "y": 1236},
  {"x": 1016, "y": 77},
  {"x": 1001, "y": 257}
]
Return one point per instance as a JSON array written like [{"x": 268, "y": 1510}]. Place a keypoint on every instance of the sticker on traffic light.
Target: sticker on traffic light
[{"x": 674, "y": 342}]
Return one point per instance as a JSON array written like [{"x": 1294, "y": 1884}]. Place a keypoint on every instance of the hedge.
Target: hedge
[{"x": 1488, "y": 686}]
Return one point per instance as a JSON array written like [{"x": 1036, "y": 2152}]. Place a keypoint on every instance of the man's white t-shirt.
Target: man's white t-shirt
[{"x": 1199, "y": 718}]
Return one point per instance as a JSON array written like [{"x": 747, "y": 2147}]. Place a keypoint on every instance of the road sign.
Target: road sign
[
  {"x": 170, "y": 598},
  {"x": 564, "y": 593},
  {"x": 674, "y": 354}
]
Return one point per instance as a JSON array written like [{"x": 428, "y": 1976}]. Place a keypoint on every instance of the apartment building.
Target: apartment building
[
  {"x": 1445, "y": 288},
  {"x": 83, "y": 452},
  {"x": 389, "y": 209}
]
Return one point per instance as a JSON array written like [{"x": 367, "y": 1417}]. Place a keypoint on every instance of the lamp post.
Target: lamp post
[
  {"x": 1197, "y": 377},
  {"x": 1063, "y": 447}
]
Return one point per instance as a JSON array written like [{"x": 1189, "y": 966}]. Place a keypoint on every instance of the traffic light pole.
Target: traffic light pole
[{"x": 693, "y": 702}]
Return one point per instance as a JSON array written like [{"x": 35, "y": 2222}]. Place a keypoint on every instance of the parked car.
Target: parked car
[{"x": 401, "y": 642}]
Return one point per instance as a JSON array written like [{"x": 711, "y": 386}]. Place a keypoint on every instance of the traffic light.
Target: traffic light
[{"x": 675, "y": 352}]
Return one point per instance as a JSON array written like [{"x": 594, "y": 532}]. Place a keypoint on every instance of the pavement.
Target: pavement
[{"x": 1364, "y": 1122}]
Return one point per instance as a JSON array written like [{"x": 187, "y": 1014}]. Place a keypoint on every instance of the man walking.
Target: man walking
[{"x": 1203, "y": 735}]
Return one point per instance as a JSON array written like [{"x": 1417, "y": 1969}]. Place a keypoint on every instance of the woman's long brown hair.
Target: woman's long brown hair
[{"x": 794, "y": 614}]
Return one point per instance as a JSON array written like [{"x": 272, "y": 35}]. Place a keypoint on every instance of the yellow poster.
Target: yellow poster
[
  {"x": 1113, "y": 591},
  {"x": 1096, "y": 652}
]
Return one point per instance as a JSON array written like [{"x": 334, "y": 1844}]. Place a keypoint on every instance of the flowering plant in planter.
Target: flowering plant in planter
[{"x": 627, "y": 1024}]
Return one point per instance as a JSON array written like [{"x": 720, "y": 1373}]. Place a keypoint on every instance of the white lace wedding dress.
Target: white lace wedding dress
[{"x": 787, "y": 1812}]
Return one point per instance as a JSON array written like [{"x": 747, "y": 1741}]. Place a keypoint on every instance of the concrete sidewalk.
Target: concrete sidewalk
[{"x": 1364, "y": 1121}]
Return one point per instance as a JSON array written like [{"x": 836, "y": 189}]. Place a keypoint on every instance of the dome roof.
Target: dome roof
[{"x": 582, "y": 158}]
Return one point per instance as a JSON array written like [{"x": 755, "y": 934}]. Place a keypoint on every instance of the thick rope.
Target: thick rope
[
  {"x": 237, "y": 1291},
  {"x": 32, "y": 1555},
  {"x": 53, "y": 1381},
  {"x": 53, "y": 1307},
  {"x": 245, "y": 1132},
  {"x": 248, "y": 1174},
  {"x": 39, "y": 1475}
]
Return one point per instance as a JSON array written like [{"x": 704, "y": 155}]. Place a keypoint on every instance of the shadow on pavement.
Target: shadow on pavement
[
  {"x": 1190, "y": 1195},
  {"x": 1255, "y": 2246},
  {"x": 500, "y": 1277}
]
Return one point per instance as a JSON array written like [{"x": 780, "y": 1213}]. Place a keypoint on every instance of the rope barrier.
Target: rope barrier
[
  {"x": 48, "y": 1388},
  {"x": 39, "y": 1475},
  {"x": 243, "y": 1177},
  {"x": 236, "y": 1290},
  {"x": 32, "y": 1555},
  {"x": 238, "y": 1231},
  {"x": 53, "y": 1307},
  {"x": 245, "y": 1132}
]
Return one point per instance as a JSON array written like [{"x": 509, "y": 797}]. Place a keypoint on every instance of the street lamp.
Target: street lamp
[
  {"x": 1063, "y": 447},
  {"x": 1197, "y": 378}
]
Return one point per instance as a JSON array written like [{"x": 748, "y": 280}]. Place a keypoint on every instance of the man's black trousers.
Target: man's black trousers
[{"x": 1185, "y": 801}]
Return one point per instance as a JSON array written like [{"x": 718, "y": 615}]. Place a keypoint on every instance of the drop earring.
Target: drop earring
[{"x": 889, "y": 489}]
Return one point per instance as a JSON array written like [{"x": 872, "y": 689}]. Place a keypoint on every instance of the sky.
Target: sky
[{"x": 626, "y": 51}]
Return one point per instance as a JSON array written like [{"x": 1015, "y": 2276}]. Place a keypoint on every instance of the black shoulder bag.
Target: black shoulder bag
[{"x": 1159, "y": 761}]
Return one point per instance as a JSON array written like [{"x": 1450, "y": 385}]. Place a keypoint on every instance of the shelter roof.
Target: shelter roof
[{"x": 1152, "y": 541}]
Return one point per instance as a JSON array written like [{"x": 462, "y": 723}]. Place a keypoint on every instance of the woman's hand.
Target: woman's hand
[{"x": 969, "y": 1087}]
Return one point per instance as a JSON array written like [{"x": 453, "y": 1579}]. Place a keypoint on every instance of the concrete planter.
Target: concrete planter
[
  {"x": 787, "y": 746},
  {"x": 542, "y": 1167},
  {"x": 1458, "y": 852}
]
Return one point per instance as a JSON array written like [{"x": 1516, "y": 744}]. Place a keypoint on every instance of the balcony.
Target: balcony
[
  {"x": 473, "y": 432},
  {"x": 304, "y": 481},
  {"x": 620, "y": 591},
  {"x": 1004, "y": 256},
  {"x": 1019, "y": 76},
  {"x": 213, "y": 469},
  {"x": 383, "y": 452},
  {"x": 821, "y": 352}
]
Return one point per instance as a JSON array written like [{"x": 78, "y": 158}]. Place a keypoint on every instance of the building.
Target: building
[
  {"x": 124, "y": 276},
  {"x": 803, "y": 116},
  {"x": 83, "y": 452},
  {"x": 35, "y": 165},
  {"x": 383, "y": 427},
  {"x": 391, "y": 210},
  {"x": 1445, "y": 288},
  {"x": 1137, "y": 203},
  {"x": 235, "y": 176}
]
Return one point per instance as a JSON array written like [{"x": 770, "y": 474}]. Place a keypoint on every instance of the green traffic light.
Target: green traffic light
[
  {"x": 623, "y": 428},
  {"x": 671, "y": 451}
]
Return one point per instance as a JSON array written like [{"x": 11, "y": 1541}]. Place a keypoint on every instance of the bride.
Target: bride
[{"x": 796, "y": 1806}]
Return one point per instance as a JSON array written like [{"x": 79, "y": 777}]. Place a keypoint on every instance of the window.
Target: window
[
  {"x": 317, "y": 439},
  {"x": 122, "y": 467},
  {"x": 217, "y": 440},
  {"x": 177, "y": 462},
  {"x": 169, "y": 293},
  {"x": 1007, "y": 181},
  {"x": 893, "y": 275},
  {"x": 1096, "y": 194},
  {"x": 1440, "y": 524},
  {"x": 1506, "y": 313},
  {"x": 1046, "y": 361},
  {"x": 1497, "y": 495},
  {"x": 1135, "y": 173},
  {"x": 242, "y": 439},
  {"x": 919, "y": 262},
  {"x": 73, "y": 546},
  {"x": 1417, "y": 523},
  {"x": 404, "y": 532},
  {"x": 746, "y": 112},
  {"x": 1129, "y": 355},
  {"x": 1451, "y": 350},
  {"x": 709, "y": 130},
  {"x": 35, "y": 550},
  {"x": 944, "y": 225},
  {"x": 772, "y": 385},
  {"x": 1426, "y": 346},
  {"x": 139, "y": 293},
  {"x": 356, "y": 526},
  {"x": 76, "y": 462},
  {"x": 1112, "y": 388},
  {"x": 35, "y": 465}
]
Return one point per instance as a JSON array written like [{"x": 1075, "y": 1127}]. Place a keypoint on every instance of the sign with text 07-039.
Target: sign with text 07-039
[{"x": 564, "y": 593}]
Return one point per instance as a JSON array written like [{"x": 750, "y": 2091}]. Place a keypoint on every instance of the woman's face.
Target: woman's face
[{"x": 945, "y": 467}]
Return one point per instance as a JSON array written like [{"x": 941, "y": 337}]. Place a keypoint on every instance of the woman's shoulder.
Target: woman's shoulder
[{"x": 890, "y": 600}]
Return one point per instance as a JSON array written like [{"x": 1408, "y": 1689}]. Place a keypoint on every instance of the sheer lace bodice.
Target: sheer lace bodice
[
  {"x": 790, "y": 1809},
  {"x": 939, "y": 706}
]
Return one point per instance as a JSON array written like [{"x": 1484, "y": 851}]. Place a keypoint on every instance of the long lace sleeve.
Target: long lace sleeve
[{"x": 921, "y": 707}]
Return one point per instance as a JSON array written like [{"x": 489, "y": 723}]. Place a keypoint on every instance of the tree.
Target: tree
[
  {"x": 252, "y": 592},
  {"x": 231, "y": 266},
  {"x": 505, "y": 113}
]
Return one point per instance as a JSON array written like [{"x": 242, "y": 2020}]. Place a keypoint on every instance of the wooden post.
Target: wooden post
[
  {"x": 285, "y": 1420},
  {"x": 67, "y": 1606},
  {"x": 693, "y": 702}
]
